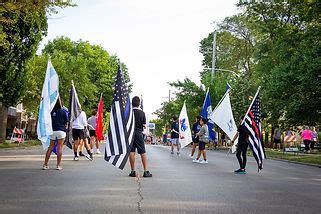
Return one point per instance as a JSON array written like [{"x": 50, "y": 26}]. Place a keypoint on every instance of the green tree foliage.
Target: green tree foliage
[
  {"x": 91, "y": 68},
  {"x": 22, "y": 26}
]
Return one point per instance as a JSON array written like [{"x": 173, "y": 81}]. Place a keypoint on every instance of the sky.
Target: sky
[{"x": 158, "y": 40}]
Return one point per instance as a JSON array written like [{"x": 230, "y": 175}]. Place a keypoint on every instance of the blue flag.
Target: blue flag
[
  {"x": 228, "y": 87},
  {"x": 49, "y": 97},
  {"x": 206, "y": 112}
]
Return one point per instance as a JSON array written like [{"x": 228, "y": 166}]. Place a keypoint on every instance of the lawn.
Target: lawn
[
  {"x": 314, "y": 158},
  {"x": 27, "y": 143}
]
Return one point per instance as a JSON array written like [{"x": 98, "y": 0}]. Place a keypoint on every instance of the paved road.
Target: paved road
[{"x": 177, "y": 186}]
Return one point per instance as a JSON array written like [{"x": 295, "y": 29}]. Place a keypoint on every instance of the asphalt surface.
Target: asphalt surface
[{"x": 177, "y": 185}]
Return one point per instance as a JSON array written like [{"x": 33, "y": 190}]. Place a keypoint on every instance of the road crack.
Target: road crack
[{"x": 139, "y": 192}]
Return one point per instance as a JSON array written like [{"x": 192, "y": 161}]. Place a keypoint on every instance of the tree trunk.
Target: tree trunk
[{"x": 3, "y": 122}]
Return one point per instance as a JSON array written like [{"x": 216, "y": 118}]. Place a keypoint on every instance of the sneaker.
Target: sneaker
[
  {"x": 44, "y": 167},
  {"x": 76, "y": 158},
  {"x": 196, "y": 161},
  {"x": 88, "y": 157},
  {"x": 98, "y": 152},
  {"x": 172, "y": 152},
  {"x": 190, "y": 155},
  {"x": 240, "y": 171},
  {"x": 203, "y": 161},
  {"x": 147, "y": 174},
  {"x": 59, "y": 168},
  {"x": 132, "y": 174},
  {"x": 81, "y": 154}
]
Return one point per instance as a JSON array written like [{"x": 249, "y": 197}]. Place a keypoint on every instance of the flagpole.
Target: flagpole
[{"x": 257, "y": 92}]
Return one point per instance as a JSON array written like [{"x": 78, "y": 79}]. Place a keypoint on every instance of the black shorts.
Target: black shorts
[
  {"x": 92, "y": 133},
  {"x": 201, "y": 145},
  {"x": 195, "y": 139},
  {"x": 78, "y": 134},
  {"x": 138, "y": 143},
  {"x": 277, "y": 141}
]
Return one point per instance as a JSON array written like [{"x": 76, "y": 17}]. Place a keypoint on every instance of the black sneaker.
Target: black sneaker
[
  {"x": 88, "y": 157},
  {"x": 147, "y": 174},
  {"x": 132, "y": 174},
  {"x": 91, "y": 156},
  {"x": 81, "y": 154}
]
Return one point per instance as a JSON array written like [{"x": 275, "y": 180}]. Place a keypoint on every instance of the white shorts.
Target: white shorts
[
  {"x": 58, "y": 135},
  {"x": 175, "y": 141}
]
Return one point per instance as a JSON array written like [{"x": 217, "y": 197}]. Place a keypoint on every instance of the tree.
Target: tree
[
  {"x": 23, "y": 24},
  {"x": 91, "y": 68}
]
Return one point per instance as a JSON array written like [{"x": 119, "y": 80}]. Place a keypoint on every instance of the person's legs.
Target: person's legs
[
  {"x": 306, "y": 144},
  {"x": 178, "y": 147},
  {"x": 172, "y": 145},
  {"x": 193, "y": 149},
  {"x": 244, "y": 150},
  {"x": 59, "y": 150},
  {"x": 204, "y": 154},
  {"x": 92, "y": 142},
  {"x": 97, "y": 145},
  {"x": 144, "y": 161},
  {"x": 132, "y": 160},
  {"x": 49, "y": 150},
  {"x": 238, "y": 156}
]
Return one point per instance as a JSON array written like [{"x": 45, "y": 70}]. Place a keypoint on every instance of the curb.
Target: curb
[{"x": 295, "y": 162}]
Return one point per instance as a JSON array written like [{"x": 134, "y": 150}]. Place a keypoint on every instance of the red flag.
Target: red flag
[{"x": 99, "y": 120}]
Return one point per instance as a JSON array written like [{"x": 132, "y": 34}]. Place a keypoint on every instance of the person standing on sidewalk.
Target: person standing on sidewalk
[{"x": 242, "y": 146}]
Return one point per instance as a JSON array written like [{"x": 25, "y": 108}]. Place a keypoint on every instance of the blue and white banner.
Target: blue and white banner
[
  {"x": 185, "y": 135},
  {"x": 206, "y": 112},
  {"x": 49, "y": 97}
]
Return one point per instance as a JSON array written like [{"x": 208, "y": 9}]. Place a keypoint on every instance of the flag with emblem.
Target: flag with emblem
[
  {"x": 49, "y": 97},
  {"x": 252, "y": 125},
  {"x": 185, "y": 135},
  {"x": 121, "y": 124},
  {"x": 206, "y": 112}
]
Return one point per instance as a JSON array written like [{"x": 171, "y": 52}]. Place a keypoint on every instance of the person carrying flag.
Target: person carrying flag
[
  {"x": 59, "y": 121},
  {"x": 243, "y": 143},
  {"x": 92, "y": 131},
  {"x": 203, "y": 140},
  {"x": 78, "y": 135},
  {"x": 175, "y": 135},
  {"x": 138, "y": 142},
  {"x": 195, "y": 129}
]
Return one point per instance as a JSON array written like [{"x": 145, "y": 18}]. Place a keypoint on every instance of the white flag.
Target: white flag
[
  {"x": 49, "y": 97},
  {"x": 185, "y": 135},
  {"x": 223, "y": 116}
]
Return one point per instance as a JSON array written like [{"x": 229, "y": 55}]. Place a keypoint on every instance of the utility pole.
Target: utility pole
[{"x": 213, "y": 56}]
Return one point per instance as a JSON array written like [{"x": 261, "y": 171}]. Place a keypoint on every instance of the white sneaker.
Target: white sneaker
[
  {"x": 196, "y": 161},
  {"x": 59, "y": 168},
  {"x": 76, "y": 159},
  {"x": 203, "y": 161},
  {"x": 190, "y": 155},
  {"x": 98, "y": 152},
  {"x": 44, "y": 167}
]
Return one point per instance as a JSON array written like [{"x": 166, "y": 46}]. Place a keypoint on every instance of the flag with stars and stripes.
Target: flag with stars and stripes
[
  {"x": 252, "y": 125},
  {"x": 121, "y": 124}
]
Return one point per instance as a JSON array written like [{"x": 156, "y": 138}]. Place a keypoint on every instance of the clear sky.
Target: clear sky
[{"x": 157, "y": 39}]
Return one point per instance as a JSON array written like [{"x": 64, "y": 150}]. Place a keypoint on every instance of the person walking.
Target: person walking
[
  {"x": 175, "y": 135},
  {"x": 314, "y": 138},
  {"x": 203, "y": 139},
  {"x": 79, "y": 135},
  {"x": 307, "y": 138},
  {"x": 59, "y": 122},
  {"x": 242, "y": 146},
  {"x": 138, "y": 141},
  {"x": 92, "y": 132},
  {"x": 195, "y": 129}
]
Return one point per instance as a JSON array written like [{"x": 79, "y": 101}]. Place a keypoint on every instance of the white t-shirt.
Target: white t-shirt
[{"x": 80, "y": 122}]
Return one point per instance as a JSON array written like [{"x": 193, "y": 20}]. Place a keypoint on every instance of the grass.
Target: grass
[
  {"x": 27, "y": 143},
  {"x": 314, "y": 158}
]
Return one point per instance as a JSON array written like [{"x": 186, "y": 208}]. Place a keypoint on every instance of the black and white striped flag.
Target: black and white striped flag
[
  {"x": 121, "y": 124},
  {"x": 252, "y": 124}
]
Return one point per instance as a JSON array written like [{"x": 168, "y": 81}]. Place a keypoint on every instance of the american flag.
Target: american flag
[
  {"x": 252, "y": 124},
  {"x": 121, "y": 124}
]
